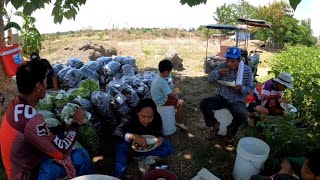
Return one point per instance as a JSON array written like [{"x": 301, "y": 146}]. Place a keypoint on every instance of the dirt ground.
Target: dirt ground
[{"x": 192, "y": 150}]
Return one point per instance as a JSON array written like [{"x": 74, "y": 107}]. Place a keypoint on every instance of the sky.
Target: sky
[{"x": 106, "y": 14}]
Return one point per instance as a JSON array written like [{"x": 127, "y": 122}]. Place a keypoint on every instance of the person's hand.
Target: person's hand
[
  {"x": 223, "y": 72},
  {"x": 284, "y": 100},
  {"x": 139, "y": 140},
  {"x": 78, "y": 116},
  {"x": 159, "y": 141},
  {"x": 237, "y": 88}
]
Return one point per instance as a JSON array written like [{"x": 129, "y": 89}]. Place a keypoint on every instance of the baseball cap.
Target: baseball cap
[{"x": 233, "y": 53}]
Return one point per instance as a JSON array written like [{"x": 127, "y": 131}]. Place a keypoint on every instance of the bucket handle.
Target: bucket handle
[{"x": 255, "y": 166}]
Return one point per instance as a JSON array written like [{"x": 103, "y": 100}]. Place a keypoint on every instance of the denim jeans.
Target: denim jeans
[
  {"x": 51, "y": 170},
  {"x": 122, "y": 155},
  {"x": 237, "y": 109}
]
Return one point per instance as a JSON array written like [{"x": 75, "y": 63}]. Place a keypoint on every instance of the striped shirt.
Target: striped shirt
[
  {"x": 264, "y": 93},
  {"x": 227, "y": 92}
]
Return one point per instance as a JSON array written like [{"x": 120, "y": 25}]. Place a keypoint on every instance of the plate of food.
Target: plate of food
[
  {"x": 151, "y": 144},
  {"x": 227, "y": 83},
  {"x": 288, "y": 107}
]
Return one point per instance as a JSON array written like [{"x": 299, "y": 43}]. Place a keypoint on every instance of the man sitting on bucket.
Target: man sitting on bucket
[
  {"x": 266, "y": 98},
  {"x": 230, "y": 97}
]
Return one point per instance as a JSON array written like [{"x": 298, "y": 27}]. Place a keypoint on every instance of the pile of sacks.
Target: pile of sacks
[{"x": 108, "y": 88}]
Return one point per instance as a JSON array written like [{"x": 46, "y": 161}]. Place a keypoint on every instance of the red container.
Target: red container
[{"x": 11, "y": 58}]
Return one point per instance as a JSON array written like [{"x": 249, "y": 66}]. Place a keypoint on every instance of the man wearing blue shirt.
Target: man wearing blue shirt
[{"x": 232, "y": 98}]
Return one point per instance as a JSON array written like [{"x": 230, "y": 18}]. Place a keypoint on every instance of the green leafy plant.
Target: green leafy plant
[
  {"x": 31, "y": 37},
  {"x": 285, "y": 137},
  {"x": 304, "y": 65}
]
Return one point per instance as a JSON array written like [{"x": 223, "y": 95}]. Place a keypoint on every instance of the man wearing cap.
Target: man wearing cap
[
  {"x": 266, "y": 98},
  {"x": 227, "y": 96}
]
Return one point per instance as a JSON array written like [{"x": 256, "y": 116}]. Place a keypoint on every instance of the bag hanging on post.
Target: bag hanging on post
[{"x": 11, "y": 58}]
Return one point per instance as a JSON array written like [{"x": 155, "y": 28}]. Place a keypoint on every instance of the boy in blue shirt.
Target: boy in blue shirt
[{"x": 163, "y": 95}]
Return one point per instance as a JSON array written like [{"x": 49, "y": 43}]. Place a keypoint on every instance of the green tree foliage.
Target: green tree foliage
[
  {"x": 67, "y": 9},
  {"x": 244, "y": 10},
  {"x": 225, "y": 14},
  {"x": 229, "y": 13},
  {"x": 293, "y": 3},
  {"x": 284, "y": 27},
  {"x": 31, "y": 37}
]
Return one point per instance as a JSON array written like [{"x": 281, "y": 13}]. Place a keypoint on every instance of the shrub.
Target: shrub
[
  {"x": 285, "y": 138},
  {"x": 304, "y": 65}
]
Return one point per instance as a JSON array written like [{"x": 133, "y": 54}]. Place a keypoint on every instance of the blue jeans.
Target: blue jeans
[
  {"x": 51, "y": 170},
  {"x": 122, "y": 155},
  {"x": 237, "y": 109}
]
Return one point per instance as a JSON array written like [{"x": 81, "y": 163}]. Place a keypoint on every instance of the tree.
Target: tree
[
  {"x": 285, "y": 28},
  {"x": 293, "y": 3},
  {"x": 244, "y": 10},
  {"x": 229, "y": 13},
  {"x": 31, "y": 37},
  {"x": 224, "y": 14}
]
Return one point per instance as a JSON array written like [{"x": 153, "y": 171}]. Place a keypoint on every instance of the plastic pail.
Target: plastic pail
[
  {"x": 167, "y": 114},
  {"x": 11, "y": 58},
  {"x": 251, "y": 154}
]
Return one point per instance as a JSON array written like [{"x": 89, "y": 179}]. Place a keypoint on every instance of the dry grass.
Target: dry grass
[{"x": 192, "y": 151}]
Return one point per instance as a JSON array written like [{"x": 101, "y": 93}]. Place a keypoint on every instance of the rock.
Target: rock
[
  {"x": 96, "y": 50},
  {"x": 176, "y": 60}
]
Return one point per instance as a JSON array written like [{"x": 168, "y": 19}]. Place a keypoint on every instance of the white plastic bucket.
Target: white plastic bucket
[
  {"x": 224, "y": 117},
  {"x": 251, "y": 155},
  {"x": 167, "y": 114}
]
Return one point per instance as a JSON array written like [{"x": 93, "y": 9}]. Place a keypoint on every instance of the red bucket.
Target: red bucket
[{"x": 11, "y": 58}]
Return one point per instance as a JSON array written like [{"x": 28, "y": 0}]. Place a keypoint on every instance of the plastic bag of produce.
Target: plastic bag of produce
[
  {"x": 119, "y": 103},
  {"x": 127, "y": 70},
  {"x": 93, "y": 65},
  {"x": 63, "y": 72},
  {"x": 148, "y": 77},
  {"x": 103, "y": 79},
  {"x": 47, "y": 114},
  {"x": 125, "y": 60},
  {"x": 115, "y": 76},
  {"x": 84, "y": 103},
  {"x": 103, "y": 60},
  {"x": 52, "y": 122},
  {"x": 57, "y": 68},
  {"x": 116, "y": 84},
  {"x": 88, "y": 73},
  {"x": 101, "y": 101},
  {"x": 61, "y": 99},
  {"x": 72, "y": 77},
  {"x": 75, "y": 63},
  {"x": 131, "y": 95},
  {"x": 46, "y": 103},
  {"x": 68, "y": 111},
  {"x": 110, "y": 68},
  {"x": 142, "y": 90}
]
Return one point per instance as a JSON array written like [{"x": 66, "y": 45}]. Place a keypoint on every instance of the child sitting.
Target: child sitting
[{"x": 163, "y": 95}]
